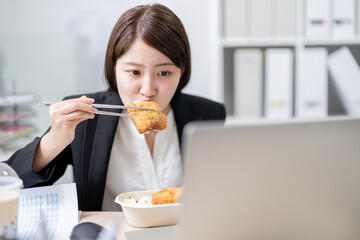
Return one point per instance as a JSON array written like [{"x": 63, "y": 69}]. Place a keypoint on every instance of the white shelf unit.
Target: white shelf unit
[
  {"x": 13, "y": 110},
  {"x": 227, "y": 45},
  {"x": 15, "y": 113}
]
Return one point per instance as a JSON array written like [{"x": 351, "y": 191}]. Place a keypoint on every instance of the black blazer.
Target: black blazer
[{"x": 89, "y": 153}]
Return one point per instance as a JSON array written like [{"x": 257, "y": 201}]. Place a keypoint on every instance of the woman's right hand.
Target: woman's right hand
[{"x": 65, "y": 116}]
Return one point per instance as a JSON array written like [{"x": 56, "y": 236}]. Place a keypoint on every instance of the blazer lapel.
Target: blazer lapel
[
  {"x": 102, "y": 142},
  {"x": 182, "y": 114}
]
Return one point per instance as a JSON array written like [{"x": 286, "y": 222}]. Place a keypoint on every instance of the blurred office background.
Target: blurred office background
[
  {"x": 53, "y": 48},
  {"x": 263, "y": 58}
]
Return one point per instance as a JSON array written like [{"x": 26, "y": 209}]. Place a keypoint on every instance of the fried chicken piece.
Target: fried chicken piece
[
  {"x": 168, "y": 195},
  {"x": 146, "y": 120}
]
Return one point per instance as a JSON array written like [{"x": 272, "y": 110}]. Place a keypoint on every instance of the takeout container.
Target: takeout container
[{"x": 151, "y": 215}]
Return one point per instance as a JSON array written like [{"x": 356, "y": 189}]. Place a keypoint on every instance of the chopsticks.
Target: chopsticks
[{"x": 107, "y": 106}]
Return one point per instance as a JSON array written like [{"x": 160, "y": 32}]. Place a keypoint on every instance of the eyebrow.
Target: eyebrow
[{"x": 157, "y": 65}]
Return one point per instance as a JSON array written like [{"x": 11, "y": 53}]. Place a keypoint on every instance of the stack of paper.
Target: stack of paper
[
  {"x": 7, "y": 116},
  {"x": 16, "y": 131},
  {"x": 12, "y": 100},
  {"x": 54, "y": 207}
]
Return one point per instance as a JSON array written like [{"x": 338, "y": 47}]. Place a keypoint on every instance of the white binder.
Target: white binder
[
  {"x": 312, "y": 88},
  {"x": 261, "y": 19},
  {"x": 345, "y": 73},
  {"x": 358, "y": 17},
  {"x": 278, "y": 83},
  {"x": 343, "y": 16},
  {"x": 248, "y": 72},
  {"x": 317, "y": 15},
  {"x": 236, "y": 16},
  {"x": 285, "y": 18}
]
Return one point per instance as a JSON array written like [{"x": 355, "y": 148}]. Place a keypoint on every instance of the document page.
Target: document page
[{"x": 51, "y": 211}]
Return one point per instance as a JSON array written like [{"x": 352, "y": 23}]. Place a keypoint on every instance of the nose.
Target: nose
[{"x": 148, "y": 86}]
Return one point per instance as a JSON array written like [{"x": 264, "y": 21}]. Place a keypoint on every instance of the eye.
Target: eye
[
  {"x": 164, "y": 73},
  {"x": 135, "y": 72}
]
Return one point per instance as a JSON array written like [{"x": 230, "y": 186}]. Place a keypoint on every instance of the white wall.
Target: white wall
[{"x": 89, "y": 23}]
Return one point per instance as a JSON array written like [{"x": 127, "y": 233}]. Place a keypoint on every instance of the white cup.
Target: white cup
[{"x": 10, "y": 185}]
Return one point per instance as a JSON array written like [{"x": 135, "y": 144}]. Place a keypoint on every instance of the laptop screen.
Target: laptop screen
[{"x": 272, "y": 180}]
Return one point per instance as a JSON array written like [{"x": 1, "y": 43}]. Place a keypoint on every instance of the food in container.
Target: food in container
[{"x": 140, "y": 212}]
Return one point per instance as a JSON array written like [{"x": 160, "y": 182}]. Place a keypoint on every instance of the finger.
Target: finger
[
  {"x": 71, "y": 117},
  {"x": 69, "y": 106},
  {"x": 83, "y": 99}
]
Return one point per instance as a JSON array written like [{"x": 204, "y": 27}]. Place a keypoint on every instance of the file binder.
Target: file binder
[
  {"x": 343, "y": 18},
  {"x": 261, "y": 19},
  {"x": 345, "y": 73},
  {"x": 358, "y": 17},
  {"x": 278, "y": 83},
  {"x": 312, "y": 88},
  {"x": 248, "y": 72},
  {"x": 285, "y": 18},
  {"x": 236, "y": 18},
  {"x": 317, "y": 14}
]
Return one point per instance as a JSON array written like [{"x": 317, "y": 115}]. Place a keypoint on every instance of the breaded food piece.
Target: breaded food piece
[
  {"x": 146, "y": 120},
  {"x": 168, "y": 195}
]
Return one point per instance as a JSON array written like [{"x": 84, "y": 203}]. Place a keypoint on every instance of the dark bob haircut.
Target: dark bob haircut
[{"x": 158, "y": 27}]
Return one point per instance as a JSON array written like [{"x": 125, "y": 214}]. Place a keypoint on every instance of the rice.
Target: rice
[{"x": 143, "y": 201}]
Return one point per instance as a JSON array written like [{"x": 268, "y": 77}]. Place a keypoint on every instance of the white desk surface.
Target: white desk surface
[{"x": 102, "y": 218}]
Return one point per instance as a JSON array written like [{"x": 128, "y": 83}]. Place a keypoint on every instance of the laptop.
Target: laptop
[{"x": 298, "y": 179}]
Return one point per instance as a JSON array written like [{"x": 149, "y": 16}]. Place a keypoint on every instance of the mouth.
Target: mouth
[{"x": 143, "y": 100}]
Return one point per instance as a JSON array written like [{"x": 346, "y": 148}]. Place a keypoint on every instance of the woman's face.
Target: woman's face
[{"x": 144, "y": 73}]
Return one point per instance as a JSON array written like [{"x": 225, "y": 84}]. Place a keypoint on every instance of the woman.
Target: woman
[{"x": 147, "y": 58}]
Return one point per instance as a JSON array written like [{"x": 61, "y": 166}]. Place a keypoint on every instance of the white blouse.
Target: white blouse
[{"x": 131, "y": 166}]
